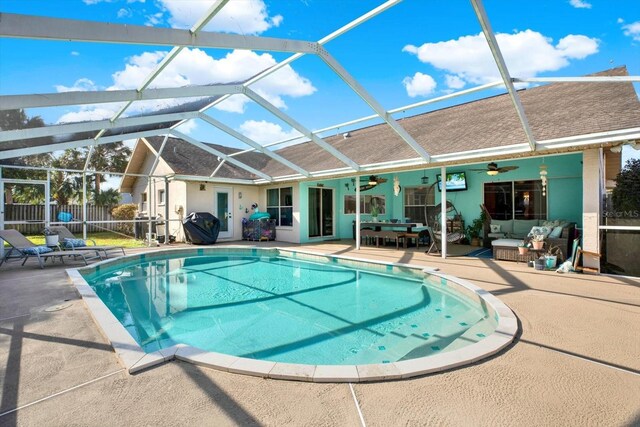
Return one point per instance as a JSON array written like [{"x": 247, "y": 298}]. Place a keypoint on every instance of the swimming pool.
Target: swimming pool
[{"x": 292, "y": 312}]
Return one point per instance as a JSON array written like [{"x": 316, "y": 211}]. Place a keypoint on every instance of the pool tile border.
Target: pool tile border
[{"x": 134, "y": 359}]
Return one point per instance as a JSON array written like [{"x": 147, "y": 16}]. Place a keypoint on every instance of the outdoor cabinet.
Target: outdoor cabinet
[{"x": 259, "y": 229}]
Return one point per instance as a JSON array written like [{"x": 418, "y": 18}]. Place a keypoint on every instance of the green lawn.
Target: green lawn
[{"x": 104, "y": 238}]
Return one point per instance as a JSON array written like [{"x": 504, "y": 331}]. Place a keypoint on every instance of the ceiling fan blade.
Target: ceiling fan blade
[{"x": 507, "y": 168}]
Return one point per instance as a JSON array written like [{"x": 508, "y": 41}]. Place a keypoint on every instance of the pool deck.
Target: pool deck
[{"x": 576, "y": 362}]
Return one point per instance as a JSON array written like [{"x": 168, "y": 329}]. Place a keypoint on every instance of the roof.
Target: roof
[{"x": 555, "y": 110}]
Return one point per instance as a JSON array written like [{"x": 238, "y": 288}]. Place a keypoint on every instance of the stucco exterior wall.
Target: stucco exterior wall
[
  {"x": 200, "y": 198},
  {"x": 285, "y": 234}
]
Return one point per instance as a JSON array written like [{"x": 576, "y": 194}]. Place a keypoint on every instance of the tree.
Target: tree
[
  {"x": 626, "y": 194},
  {"x": 109, "y": 157},
  {"x": 110, "y": 197},
  {"x": 17, "y": 119}
]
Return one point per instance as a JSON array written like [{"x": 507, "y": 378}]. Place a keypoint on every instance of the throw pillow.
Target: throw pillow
[
  {"x": 495, "y": 228},
  {"x": 34, "y": 250},
  {"x": 551, "y": 224},
  {"x": 545, "y": 231},
  {"x": 74, "y": 243},
  {"x": 557, "y": 232}
]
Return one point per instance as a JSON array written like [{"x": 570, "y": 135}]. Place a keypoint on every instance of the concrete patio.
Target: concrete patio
[{"x": 576, "y": 362}]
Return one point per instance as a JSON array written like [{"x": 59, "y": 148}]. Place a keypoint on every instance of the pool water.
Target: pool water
[{"x": 289, "y": 310}]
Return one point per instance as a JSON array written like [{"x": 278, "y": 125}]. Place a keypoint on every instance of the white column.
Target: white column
[
  {"x": 84, "y": 205},
  {"x": 358, "y": 213},
  {"x": 1, "y": 211},
  {"x": 149, "y": 194},
  {"x": 166, "y": 210},
  {"x": 591, "y": 200},
  {"x": 443, "y": 211},
  {"x": 47, "y": 201}
]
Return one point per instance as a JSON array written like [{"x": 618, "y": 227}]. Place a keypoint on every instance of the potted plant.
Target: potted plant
[
  {"x": 537, "y": 240},
  {"x": 473, "y": 231},
  {"x": 374, "y": 213},
  {"x": 551, "y": 257},
  {"x": 51, "y": 237},
  {"x": 523, "y": 248}
]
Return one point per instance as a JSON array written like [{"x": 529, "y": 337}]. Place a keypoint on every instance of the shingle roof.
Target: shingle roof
[{"x": 554, "y": 111}]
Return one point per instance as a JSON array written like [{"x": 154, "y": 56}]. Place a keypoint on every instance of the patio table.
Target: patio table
[{"x": 377, "y": 226}]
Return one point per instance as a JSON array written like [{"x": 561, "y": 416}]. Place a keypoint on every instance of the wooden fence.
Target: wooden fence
[{"x": 34, "y": 216}]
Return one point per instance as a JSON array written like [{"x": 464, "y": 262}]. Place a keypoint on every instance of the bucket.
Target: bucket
[
  {"x": 550, "y": 261},
  {"x": 540, "y": 264}
]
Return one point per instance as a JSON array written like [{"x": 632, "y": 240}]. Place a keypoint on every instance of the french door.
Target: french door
[
  {"x": 222, "y": 206},
  {"x": 321, "y": 212}
]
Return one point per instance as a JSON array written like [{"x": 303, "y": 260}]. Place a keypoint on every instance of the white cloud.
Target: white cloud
[
  {"x": 580, "y": 4},
  {"x": 196, "y": 67},
  {"x": 264, "y": 132},
  {"x": 155, "y": 19},
  {"x": 526, "y": 53},
  {"x": 91, "y": 2},
  {"x": 124, "y": 13},
  {"x": 87, "y": 114},
  {"x": 81, "y": 85},
  {"x": 620, "y": 21},
  {"x": 454, "y": 82},
  {"x": 419, "y": 85},
  {"x": 632, "y": 30},
  {"x": 242, "y": 17},
  {"x": 188, "y": 127},
  {"x": 75, "y": 53}
]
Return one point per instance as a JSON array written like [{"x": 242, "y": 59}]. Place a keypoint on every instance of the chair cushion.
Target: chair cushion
[
  {"x": 521, "y": 227},
  {"x": 34, "y": 250},
  {"x": 506, "y": 226},
  {"x": 556, "y": 232},
  {"x": 513, "y": 243},
  {"x": 540, "y": 230},
  {"x": 74, "y": 243}
]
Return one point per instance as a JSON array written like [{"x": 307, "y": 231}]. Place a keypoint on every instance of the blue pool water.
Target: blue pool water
[{"x": 289, "y": 310}]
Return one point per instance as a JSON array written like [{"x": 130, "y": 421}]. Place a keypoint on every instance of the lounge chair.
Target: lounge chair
[
  {"x": 21, "y": 248},
  {"x": 70, "y": 244}
]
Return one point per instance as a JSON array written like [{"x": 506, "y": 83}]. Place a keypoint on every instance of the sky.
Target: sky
[{"x": 416, "y": 50}]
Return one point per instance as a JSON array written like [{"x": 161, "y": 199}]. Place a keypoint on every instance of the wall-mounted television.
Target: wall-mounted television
[{"x": 456, "y": 181}]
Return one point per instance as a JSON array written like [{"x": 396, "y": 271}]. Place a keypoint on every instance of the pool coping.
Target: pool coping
[{"x": 135, "y": 359}]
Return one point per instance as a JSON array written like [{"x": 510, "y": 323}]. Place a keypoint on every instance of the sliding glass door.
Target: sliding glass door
[{"x": 320, "y": 212}]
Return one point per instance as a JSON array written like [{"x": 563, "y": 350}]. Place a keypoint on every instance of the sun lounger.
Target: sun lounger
[
  {"x": 23, "y": 248},
  {"x": 72, "y": 243}
]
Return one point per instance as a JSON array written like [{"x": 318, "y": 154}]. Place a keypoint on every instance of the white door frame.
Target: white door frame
[
  {"x": 333, "y": 212},
  {"x": 229, "y": 214}
]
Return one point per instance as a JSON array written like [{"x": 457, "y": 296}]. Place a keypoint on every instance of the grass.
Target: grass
[{"x": 103, "y": 238}]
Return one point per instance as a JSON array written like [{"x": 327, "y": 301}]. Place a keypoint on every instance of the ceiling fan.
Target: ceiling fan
[
  {"x": 493, "y": 169},
  {"x": 373, "y": 181}
]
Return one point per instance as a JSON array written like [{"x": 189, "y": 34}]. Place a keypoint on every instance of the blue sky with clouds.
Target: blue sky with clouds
[{"x": 414, "y": 51}]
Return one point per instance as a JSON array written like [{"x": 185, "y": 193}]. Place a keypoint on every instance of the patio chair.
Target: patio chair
[
  {"x": 368, "y": 235},
  {"x": 434, "y": 247},
  {"x": 421, "y": 235},
  {"x": 72, "y": 243},
  {"x": 23, "y": 248},
  {"x": 391, "y": 235}
]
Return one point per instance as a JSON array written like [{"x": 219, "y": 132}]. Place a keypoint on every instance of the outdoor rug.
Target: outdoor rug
[{"x": 481, "y": 253}]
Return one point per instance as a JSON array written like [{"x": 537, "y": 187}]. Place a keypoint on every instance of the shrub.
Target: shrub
[{"x": 125, "y": 212}]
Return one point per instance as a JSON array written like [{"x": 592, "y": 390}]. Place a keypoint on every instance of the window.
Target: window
[
  {"x": 280, "y": 205},
  {"x": 366, "y": 202},
  {"x": 143, "y": 202},
  {"x": 415, "y": 200},
  {"x": 161, "y": 199},
  {"x": 515, "y": 200}
]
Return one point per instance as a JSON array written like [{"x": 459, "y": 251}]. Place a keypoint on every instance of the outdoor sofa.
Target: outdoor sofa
[{"x": 510, "y": 234}]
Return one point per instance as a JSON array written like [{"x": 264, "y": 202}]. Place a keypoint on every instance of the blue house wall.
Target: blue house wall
[{"x": 564, "y": 191}]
